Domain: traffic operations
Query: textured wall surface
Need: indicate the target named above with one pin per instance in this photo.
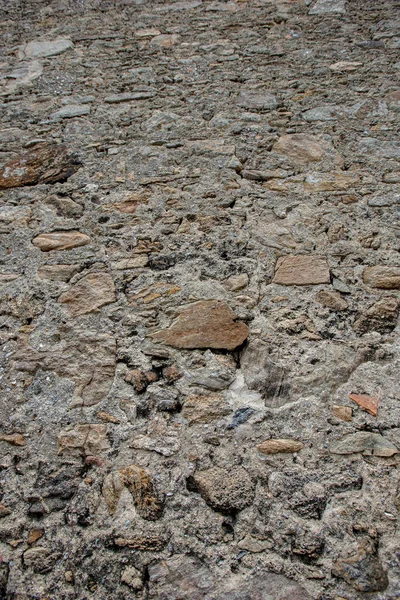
(200, 289)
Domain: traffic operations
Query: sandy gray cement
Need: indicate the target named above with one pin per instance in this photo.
(199, 274)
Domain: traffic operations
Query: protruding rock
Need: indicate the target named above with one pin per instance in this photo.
(303, 148)
(344, 413)
(332, 300)
(57, 272)
(382, 277)
(91, 292)
(276, 446)
(365, 442)
(381, 316)
(205, 324)
(140, 485)
(60, 240)
(45, 163)
(87, 439)
(369, 403)
(204, 409)
(42, 49)
(363, 572)
(301, 270)
(224, 490)
(328, 7)
(16, 439)
(257, 100)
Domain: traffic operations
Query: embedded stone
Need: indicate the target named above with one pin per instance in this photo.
(205, 324)
(304, 148)
(368, 403)
(57, 272)
(332, 300)
(301, 270)
(204, 409)
(363, 572)
(89, 293)
(87, 439)
(60, 240)
(276, 446)
(224, 490)
(331, 182)
(140, 485)
(382, 277)
(36, 49)
(257, 100)
(45, 163)
(344, 413)
(366, 443)
(328, 7)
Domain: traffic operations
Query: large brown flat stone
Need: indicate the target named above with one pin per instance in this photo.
(205, 324)
(45, 163)
(60, 240)
(382, 277)
(91, 292)
(302, 270)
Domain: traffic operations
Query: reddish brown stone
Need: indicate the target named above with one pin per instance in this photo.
(369, 403)
(205, 324)
(301, 270)
(60, 240)
(91, 292)
(45, 163)
(280, 445)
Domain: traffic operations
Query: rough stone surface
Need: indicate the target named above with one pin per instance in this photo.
(208, 324)
(91, 292)
(224, 490)
(382, 277)
(60, 240)
(45, 163)
(301, 270)
(277, 446)
(199, 259)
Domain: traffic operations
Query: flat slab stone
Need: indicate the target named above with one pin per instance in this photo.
(205, 324)
(365, 442)
(36, 49)
(328, 7)
(60, 240)
(45, 163)
(276, 446)
(91, 292)
(301, 270)
(382, 277)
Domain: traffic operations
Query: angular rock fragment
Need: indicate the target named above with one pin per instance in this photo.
(226, 491)
(345, 65)
(382, 277)
(205, 409)
(257, 100)
(140, 485)
(363, 572)
(332, 300)
(327, 7)
(86, 439)
(60, 240)
(381, 316)
(71, 111)
(369, 403)
(301, 270)
(303, 148)
(205, 324)
(344, 413)
(16, 439)
(133, 578)
(276, 446)
(42, 49)
(331, 182)
(57, 272)
(91, 292)
(365, 442)
(45, 163)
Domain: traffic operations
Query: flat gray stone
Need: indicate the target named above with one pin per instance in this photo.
(72, 110)
(328, 7)
(36, 49)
